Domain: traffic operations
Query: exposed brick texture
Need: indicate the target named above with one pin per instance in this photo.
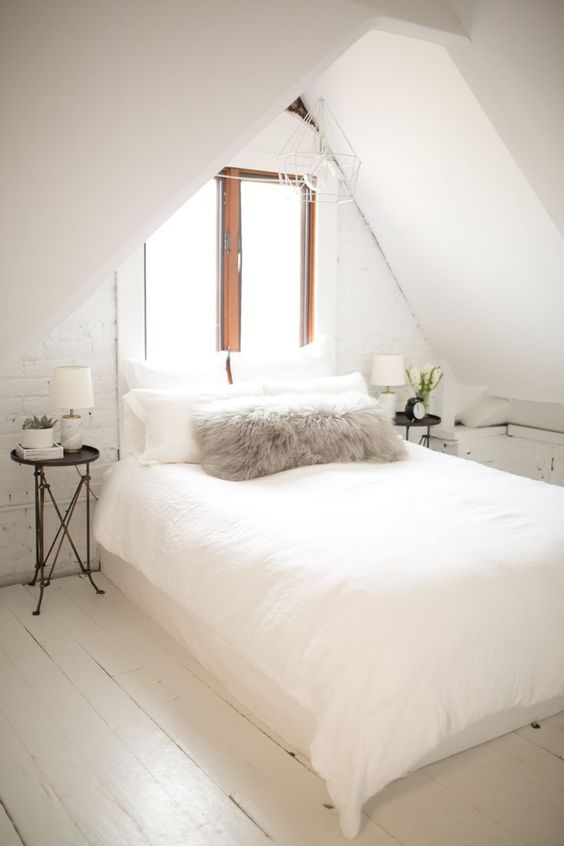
(372, 313)
(372, 316)
(87, 337)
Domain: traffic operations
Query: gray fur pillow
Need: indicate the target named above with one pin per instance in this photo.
(249, 437)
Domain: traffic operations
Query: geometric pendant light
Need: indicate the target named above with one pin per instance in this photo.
(320, 157)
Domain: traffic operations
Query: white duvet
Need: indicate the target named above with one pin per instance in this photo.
(398, 603)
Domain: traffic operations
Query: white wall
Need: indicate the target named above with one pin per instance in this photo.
(372, 313)
(87, 337)
(357, 299)
(478, 257)
(539, 415)
(114, 113)
(514, 63)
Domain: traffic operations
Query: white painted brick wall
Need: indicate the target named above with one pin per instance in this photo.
(87, 337)
(373, 316)
(372, 313)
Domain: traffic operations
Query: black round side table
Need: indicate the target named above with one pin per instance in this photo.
(401, 419)
(85, 456)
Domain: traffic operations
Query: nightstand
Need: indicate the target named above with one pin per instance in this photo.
(84, 457)
(401, 419)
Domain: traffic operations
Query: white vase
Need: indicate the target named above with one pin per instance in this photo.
(71, 432)
(38, 438)
(388, 403)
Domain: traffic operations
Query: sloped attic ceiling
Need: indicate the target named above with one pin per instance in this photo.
(113, 114)
(477, 255)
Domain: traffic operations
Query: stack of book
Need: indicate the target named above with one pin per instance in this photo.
(40, 453)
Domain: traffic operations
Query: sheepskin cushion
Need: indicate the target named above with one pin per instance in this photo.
(249, 437)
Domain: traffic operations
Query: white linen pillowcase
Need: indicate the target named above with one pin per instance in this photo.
(207, 370)
(312, 361)
(166, 416)
(133, 416)
(349, 383)
(132, 428)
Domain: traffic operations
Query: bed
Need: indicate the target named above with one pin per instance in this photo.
(375, 616)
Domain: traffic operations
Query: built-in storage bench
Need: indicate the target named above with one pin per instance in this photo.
(535, 453)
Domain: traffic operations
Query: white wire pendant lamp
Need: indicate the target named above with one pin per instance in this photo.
(319, 156)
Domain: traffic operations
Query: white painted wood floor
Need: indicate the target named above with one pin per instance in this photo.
(111, 734)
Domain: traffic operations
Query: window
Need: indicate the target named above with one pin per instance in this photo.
(232, 268)
(180, 273)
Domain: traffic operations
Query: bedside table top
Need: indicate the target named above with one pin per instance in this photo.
(83, 456)
(401, 419)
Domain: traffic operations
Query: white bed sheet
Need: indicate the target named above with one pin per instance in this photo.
(397, 603)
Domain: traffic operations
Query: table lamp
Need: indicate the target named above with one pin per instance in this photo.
(388, 371)
(71, 387)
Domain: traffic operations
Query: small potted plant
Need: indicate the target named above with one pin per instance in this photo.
(423, 381)
(38, 432)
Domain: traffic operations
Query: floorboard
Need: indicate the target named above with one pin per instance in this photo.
(422, 812)
(549, 735)
(144, 769)
(46, 786)
(8, 834)
(251, 768)
(128, 625)
(112, 734)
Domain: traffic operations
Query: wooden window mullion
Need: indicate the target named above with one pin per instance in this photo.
(307, 268)
(310, 305)
(231, 270)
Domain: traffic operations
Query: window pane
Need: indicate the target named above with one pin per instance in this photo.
(181, 276)
(271, 267)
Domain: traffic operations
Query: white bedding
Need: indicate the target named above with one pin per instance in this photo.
(397, 603)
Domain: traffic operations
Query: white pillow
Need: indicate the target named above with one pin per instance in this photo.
(313, 361)
(484, 411)
(205, 370)
(133, 430)
(351, 382)
(166, 416)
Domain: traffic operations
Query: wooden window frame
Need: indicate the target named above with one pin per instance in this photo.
(229, 258)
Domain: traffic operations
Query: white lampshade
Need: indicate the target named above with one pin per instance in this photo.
(388, 370)
(71, 387)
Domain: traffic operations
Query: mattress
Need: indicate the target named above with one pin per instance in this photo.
(280, 715)
(396, 606)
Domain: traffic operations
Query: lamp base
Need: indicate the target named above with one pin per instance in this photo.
(71, 432)
(388, 403)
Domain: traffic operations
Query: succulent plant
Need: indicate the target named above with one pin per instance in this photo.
(36, 422)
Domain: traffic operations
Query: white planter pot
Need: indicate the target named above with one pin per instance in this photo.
(37, 438)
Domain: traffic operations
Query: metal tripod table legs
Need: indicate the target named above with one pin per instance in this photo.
(44, 560)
